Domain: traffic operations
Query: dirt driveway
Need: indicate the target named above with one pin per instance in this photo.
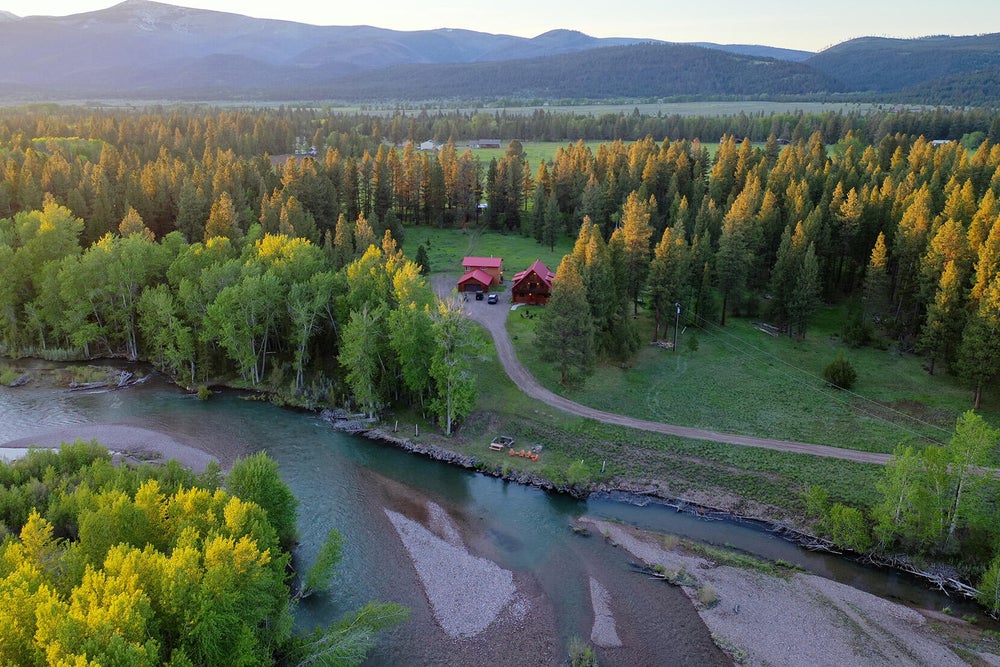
(494, 316)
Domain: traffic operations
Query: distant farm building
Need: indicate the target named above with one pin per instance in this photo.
(533, 285)
(484, 143)
(481, 273)
(429, 145)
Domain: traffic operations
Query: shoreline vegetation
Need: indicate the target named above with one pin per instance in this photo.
(136, 445)
(757, 612)
(184, 567)
(870, 238)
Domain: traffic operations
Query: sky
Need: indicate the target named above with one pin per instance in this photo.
(793, 24)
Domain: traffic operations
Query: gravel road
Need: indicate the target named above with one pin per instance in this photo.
(494, 318)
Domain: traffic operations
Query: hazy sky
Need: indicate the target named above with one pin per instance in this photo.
(797, 24)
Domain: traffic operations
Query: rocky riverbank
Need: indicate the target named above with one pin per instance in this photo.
(794, 618)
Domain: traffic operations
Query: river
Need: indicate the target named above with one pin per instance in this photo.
(348, 482)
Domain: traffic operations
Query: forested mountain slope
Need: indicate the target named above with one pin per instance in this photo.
(882, 64)
(643, 70)
(141, 49)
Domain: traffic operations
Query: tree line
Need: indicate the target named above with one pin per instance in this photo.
(937, 503)
(154, 565)
(104, 231)
(214, 263)
(350, 322)
(905, 231)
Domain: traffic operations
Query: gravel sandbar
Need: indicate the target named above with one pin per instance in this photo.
(466, 592)
(131, 443)
(802, 619)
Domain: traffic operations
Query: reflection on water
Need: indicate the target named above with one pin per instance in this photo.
(345, 482)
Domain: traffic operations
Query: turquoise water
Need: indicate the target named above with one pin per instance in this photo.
(347, 482)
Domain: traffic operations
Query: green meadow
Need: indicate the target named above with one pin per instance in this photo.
(743, 380)
(446, 248)
(739, 379)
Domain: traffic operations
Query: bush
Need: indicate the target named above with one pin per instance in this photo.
(204, 393)
(578, 474)
(255, 478)
(840, 373)
(581, 655)
(848, 528)
(857, 332)
(708, 596)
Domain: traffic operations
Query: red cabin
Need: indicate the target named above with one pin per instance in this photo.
(533, 285)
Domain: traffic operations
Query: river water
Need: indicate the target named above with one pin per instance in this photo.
(348, 483)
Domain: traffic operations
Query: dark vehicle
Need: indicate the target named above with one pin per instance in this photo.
(493, 298)
(479, 295)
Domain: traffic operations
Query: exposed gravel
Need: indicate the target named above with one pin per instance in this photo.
(466, 592)
(799, 620)
(131, 443)
(605, 631)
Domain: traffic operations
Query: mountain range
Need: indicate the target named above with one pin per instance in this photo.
(145, 50)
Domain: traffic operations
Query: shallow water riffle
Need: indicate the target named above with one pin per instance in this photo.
(349, 483)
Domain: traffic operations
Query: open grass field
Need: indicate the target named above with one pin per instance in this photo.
(739, 379)
(702, 108)
(446, 248)
(742, 380)
(575, 450)
(535, 152)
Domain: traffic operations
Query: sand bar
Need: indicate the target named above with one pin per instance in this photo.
(132, 443)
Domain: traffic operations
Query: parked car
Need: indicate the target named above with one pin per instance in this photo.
(479, 295)
(493, 298)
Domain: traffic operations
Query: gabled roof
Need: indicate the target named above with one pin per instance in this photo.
(479, 276)
(539, 268)
(481, 262)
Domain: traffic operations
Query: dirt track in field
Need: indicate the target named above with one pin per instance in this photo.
(494, 317)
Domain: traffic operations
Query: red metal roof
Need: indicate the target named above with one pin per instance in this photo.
(479, 276)
(540, 269)
(481, 262)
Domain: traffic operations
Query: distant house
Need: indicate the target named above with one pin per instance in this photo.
(533, 285)
(485, 271)
(429, 145)
(484, 143)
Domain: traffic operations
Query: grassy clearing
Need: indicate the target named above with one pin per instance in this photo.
(739, 380)
(535, 152)
(446, 248)
(575, 450)
(742, 380)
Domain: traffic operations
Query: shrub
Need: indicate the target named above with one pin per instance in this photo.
(204, 393)
(848, 528)
(840, 373)
(8, 377)
(256, 478)
(817, 501)
(857, 332)
(581, 655)
(692, 343)
(707, 595)
(578, 474)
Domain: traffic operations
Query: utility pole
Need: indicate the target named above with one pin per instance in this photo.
(677, 322)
